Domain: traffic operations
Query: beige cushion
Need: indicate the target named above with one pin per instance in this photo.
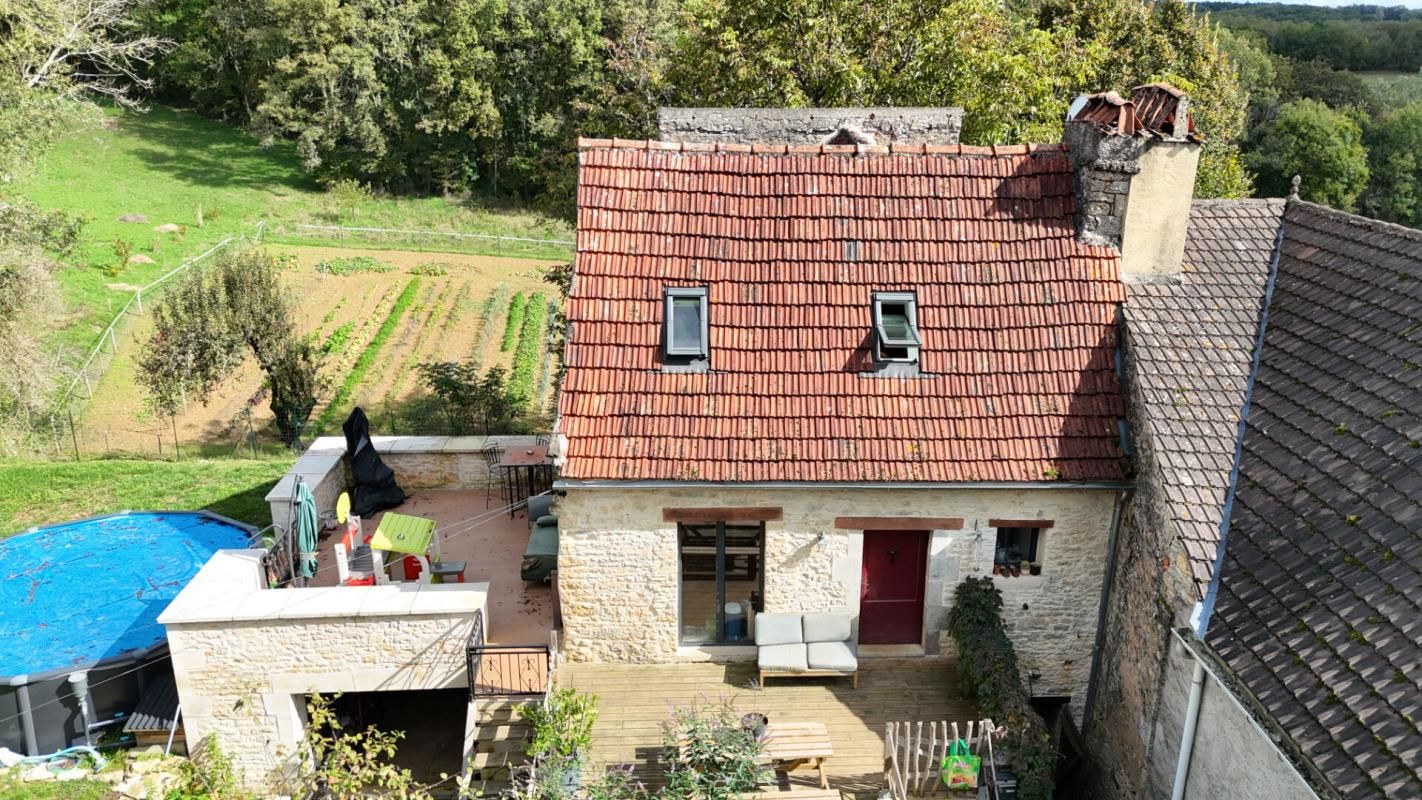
(782, 658)
(773, 629)
(827, 627)
(833, 656)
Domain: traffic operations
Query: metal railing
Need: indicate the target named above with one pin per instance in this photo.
(506, 670)
(279, 562)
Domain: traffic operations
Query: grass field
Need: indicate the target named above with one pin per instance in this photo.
(164, 163)
(376, 326)
(43, 492)
(1394, 88)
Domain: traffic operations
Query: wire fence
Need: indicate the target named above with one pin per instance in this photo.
(423, 239)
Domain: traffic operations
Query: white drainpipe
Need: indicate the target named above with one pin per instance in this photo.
(1187, 736)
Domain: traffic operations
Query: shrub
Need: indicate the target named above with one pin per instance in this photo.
(709, 756)
(433, 269)
(352, 265)
(123, 252)
(562, 724)
(514, 323)
(987, 668)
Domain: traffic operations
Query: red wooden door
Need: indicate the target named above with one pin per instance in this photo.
(891, 589)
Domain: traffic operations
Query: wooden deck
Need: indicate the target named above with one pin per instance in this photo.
(635, 699)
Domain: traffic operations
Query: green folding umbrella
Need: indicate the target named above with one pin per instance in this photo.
(305, 530)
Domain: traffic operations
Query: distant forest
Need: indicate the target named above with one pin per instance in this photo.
(1359, 38)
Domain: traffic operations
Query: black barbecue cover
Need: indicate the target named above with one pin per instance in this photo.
(375, 488)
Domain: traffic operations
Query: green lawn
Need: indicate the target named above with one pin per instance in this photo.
(53, 790)
(43, 492)
(164, 163)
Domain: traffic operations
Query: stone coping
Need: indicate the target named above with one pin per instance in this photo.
(325, 453)
(228, 588)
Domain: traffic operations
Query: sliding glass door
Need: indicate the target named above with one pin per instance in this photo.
(722, 574)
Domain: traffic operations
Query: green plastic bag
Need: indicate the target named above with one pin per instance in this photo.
(960, 767)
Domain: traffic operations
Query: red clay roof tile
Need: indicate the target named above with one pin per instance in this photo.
(1017, 317)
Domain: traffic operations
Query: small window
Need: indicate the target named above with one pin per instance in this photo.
(685, 328)
(1017, 552)
(896, 327)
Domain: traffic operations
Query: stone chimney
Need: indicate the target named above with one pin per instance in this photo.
(1135, 162)
(811, 125)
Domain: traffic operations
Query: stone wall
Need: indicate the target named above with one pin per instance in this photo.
(244, 657)
(419, 462)
(1232, 755)
(619, 578)
(1153, 591)
(809, 125)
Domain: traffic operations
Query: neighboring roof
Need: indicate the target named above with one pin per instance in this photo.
(1319, 608)
(1017, 317)
(1191, 345)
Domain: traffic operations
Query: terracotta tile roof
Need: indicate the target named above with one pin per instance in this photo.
(1190, 346)
(1018, 319)
(1319, 609)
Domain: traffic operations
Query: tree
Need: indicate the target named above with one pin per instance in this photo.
(391, 94)
(1323, 146)
(81, 48)
(471, 400)
(206, 325)
(29, 303)
(1013, 73)
(1395, 160)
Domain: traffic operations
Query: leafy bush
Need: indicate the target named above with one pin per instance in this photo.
(352, 265)
(530, 344)
(709, 756)
(562, 724)
(433, 269)
(207, 775)
(467, 396)
(987, 668)
(514, 323)
(123, 252)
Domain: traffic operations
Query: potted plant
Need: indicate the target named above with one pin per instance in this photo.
(561, 733)
(755, 723)
(710, 754)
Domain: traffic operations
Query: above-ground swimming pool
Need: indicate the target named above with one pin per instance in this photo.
(83, 598)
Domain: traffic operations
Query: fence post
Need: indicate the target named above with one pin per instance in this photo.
(73, 434)
(138, 298)
(88, 390)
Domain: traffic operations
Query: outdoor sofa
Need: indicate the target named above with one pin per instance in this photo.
(805, 645)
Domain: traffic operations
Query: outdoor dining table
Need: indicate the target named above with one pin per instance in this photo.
(528, 471)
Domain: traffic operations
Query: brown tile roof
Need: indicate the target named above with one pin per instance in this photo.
(1017, 317)
(1151, 110)
(1319, 608)
(1190, 347)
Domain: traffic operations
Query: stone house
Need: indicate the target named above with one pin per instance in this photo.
(847, 376)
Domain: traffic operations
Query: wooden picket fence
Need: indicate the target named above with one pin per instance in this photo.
(913, 755)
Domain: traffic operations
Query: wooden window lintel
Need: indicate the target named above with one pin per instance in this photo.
(899, 523)
(733, 514)
(1020, 523)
